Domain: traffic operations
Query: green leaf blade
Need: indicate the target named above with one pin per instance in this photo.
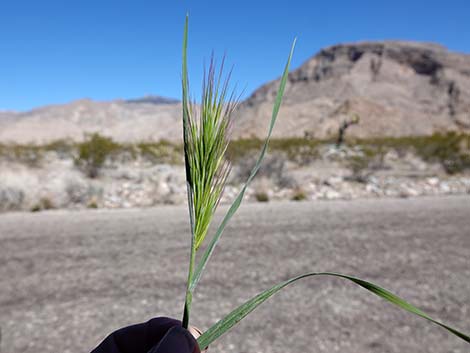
(186, 110)
(242, 311)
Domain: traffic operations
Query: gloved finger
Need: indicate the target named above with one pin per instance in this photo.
(177, 340)
(138, 338)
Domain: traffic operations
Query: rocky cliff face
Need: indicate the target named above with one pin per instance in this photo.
(397, 89)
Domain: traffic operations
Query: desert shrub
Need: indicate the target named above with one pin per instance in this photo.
(32, 155)
(43, 204)
(63, 148)
(29, 155)
(365, 162)
(261, 196)
(47, 204)
(299, 150)
(451, 150)
(36, 208)
(92, 205)
(240, 149)
(359, 166)
(161, 152)
(93, 152)
(299, 195)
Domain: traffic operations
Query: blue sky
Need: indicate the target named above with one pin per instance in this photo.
(58, 51)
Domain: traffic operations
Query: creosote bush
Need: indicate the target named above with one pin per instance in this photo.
(93, 152)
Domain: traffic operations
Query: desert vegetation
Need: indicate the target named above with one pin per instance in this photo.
(102, 172)
(451, 150)
(94, 153)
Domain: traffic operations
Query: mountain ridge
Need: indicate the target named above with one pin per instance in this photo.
(397, 88)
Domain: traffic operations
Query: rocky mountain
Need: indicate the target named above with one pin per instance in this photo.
(396, 88)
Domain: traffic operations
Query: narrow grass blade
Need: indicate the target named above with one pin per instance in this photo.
(189, 184)
(238, 314)
(185, 107)
(236, 204)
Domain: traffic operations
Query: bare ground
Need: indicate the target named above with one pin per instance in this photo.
(67, 279)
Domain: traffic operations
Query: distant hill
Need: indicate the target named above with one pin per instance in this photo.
(397, 89)
(153, 99)
(149, 118)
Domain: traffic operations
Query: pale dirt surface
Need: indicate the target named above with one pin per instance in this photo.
(67, 279)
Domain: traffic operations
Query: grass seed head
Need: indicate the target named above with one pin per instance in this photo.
(207, 129)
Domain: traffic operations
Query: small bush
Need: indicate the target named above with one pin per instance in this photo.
(299, 195)
(93, 153)
(47, 204)
(92, 205)
(43, 204)
(262, 196)
(365, 162)
(36, 208)
(63, 148)
(238, 150)
(161, 152)
(29, 155)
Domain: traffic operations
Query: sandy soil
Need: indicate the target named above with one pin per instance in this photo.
(67, 279)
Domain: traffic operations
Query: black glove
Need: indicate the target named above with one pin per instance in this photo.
(159, 335)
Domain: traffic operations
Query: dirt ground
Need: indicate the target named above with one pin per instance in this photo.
(67, 279)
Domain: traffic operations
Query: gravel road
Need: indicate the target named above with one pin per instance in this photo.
(67, 279)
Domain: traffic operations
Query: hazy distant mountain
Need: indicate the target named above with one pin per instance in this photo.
(150, 118)
(153, 99)
(397, 88)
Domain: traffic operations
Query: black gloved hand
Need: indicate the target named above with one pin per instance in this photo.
(159, 335)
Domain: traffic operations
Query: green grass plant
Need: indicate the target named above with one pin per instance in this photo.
(205, 134)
